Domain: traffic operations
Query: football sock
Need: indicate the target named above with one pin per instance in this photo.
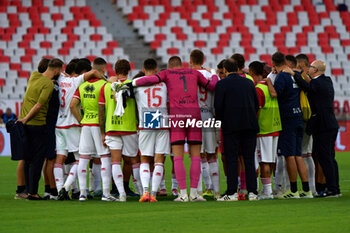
(136, 177)
(71, 179)
(58, 173)
(53, 192)
(243, 181)
(20, 188)
(47, 189)
(91, 180)
(195, 171)
(118, 177)
(293, 187)
(180, 172)
(106, 175)
(174, 184)
(157, 177)
(193, 192)
(200, 184)
(266, 186)
(310, 165)
(183, 192)
(279, 176)
(96, 173)
(66, 169)
(214, 173)
(306, 187)
(162, 183)
(205, 172)
(145, 176)
(82, 173)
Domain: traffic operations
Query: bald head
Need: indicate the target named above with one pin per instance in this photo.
(317, 68)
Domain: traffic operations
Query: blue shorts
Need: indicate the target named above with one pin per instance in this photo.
(291, 137)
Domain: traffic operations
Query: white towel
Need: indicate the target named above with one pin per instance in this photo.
(119, 109)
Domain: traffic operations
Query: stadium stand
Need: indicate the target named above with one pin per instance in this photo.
(30, 30)
(254, 28)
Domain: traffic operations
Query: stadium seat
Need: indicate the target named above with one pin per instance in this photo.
(33, 29)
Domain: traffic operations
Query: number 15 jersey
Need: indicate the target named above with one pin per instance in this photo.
(151, 99)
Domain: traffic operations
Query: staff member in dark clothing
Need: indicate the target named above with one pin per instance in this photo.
(291, 136)
(33, 116)
(236, 105)
(323, 125)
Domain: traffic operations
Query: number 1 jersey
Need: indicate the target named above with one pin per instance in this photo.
(149, 99)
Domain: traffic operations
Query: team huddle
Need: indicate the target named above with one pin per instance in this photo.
(141, 121)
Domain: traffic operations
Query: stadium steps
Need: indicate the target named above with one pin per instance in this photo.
(121, 31)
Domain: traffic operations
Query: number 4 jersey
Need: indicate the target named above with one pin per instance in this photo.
(151, 99)
(67, 87)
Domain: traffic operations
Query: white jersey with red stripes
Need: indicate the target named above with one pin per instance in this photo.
(206, 98)
(151, 99)
(67, 87)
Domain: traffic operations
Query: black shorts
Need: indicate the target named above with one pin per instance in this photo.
(291, 137)
(51, 143)
(70, 158)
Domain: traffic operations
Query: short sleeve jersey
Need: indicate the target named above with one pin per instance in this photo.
(151, 98)
(67, 87)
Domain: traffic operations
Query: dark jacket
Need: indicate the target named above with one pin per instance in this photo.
(236, 104)
(18, 139)
(320, 93)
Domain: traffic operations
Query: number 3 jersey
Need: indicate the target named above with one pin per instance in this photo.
(151, 102)
(67, 87)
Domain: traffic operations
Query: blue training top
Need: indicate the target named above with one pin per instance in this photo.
(288, 95)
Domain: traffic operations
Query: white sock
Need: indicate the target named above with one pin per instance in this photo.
(286, 183)
(145, 176)
(200, 184)
(66, 169)
(162, 183)
(72, 177)
(183, 192)
(136, 176)
(91, 180)
(215, 175)
(279, 175)
(58, 173)
(106, 175)
(193, 192)
(96, 173)
(266, 189)
(310, 165)
(174, 184)
(205, 172)
(118, 177)
(82, 173)
(157, 177)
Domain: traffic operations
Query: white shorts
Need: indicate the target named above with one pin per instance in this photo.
(154, 142)
(306, 145)
(209, 142)
(67, 140)
(266, 149)
(126, 143)
(91, 142)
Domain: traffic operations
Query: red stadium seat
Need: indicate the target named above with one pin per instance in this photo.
(173, 51)
(45, 44)
(337, 71)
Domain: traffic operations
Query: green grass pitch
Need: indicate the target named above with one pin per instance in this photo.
(306, 215)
